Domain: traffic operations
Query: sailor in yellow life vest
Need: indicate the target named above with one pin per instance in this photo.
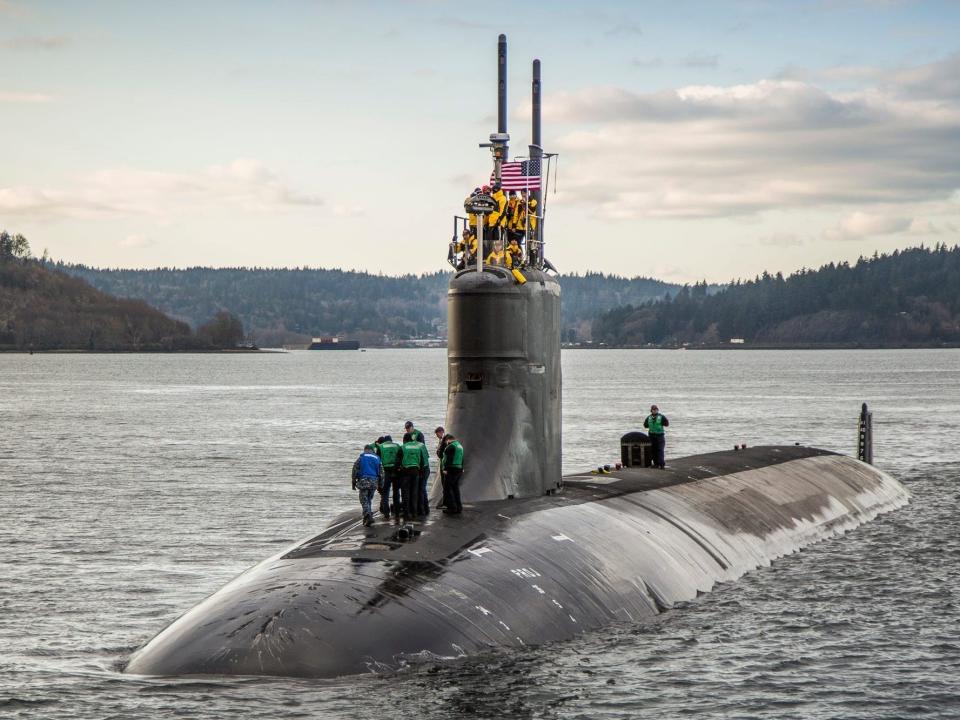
(531, 219)
(472, 217)
(497, 256)
(498, 218)
(514, 212)
(514, 254)
(467, 247)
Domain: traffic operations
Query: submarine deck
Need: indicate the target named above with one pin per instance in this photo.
(507, 573)
(441, 536)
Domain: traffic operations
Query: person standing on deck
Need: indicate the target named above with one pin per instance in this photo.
(411, 432)
(655, 423)
(453, 468)
(514, 227)
(367, 477)
(389, 453)
(498, 218)
(414, 465)
(441, 446)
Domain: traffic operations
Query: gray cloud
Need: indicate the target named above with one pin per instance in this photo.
(860, 225)
(244, 184)
(782, 239)
(935, 81)
(647, 62)
(136, 241)
(711, 151)
(624, 28)
(700, 60)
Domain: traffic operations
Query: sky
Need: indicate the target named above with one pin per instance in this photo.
(695, 140)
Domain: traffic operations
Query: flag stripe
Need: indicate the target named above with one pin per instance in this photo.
(520, 175)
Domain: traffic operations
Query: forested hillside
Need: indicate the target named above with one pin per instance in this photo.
(908, 298)
(43, 309)
(289, 305)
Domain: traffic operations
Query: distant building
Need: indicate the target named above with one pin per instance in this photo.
(736, 341)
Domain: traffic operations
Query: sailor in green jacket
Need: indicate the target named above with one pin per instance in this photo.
(655, 423)
(453, 470)
(389, 453)
(414, 465)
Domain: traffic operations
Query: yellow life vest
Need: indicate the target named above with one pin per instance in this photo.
(496, 258)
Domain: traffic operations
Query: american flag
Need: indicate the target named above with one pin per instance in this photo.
(520, 175)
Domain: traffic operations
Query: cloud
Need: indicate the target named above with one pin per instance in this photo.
(37, 42)
(244, 183)
(920, 226)
(721, 151)
(136, 241)
(349, 211)
(782, 239)
(700, 60)
(24, 98)
(647, 62)
(833, 74)
(934, 81)
(14, 9)
(461, 179)
(859, 225)
(624, 28)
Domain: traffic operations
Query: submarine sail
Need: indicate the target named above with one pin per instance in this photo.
(534, 557)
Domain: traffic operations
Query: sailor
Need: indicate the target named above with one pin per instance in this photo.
(441, 446)
(414, 459)
(530, 224)
(514, 206)
(514, 254)
(497, 256)
(655, 423)
(467, 248)
(453, 468)
(498, 217)
(411, 432)
(472, 217)
(366, 477)
(532, 216)
(389, 453)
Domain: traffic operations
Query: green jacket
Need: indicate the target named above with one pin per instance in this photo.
(414, 454)
(389, 453)
(453, 455)
(656, 423)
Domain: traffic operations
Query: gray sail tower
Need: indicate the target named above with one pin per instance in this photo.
(503, 358)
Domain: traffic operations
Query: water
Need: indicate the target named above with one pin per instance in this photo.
(132, 486)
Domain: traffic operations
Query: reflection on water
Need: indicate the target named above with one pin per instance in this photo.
(135, 485)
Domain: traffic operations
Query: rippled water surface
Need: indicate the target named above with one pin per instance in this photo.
(132, 486)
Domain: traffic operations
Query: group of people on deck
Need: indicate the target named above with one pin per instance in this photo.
(504, 229)
(400, 471)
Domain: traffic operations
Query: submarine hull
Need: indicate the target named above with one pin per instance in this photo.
(617, 547)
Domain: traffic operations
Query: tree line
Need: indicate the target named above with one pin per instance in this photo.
(905, 298)
(289, 305)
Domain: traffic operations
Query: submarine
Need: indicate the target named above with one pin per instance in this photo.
(535, 557)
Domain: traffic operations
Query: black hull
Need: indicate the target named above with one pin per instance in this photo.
(508, 573)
